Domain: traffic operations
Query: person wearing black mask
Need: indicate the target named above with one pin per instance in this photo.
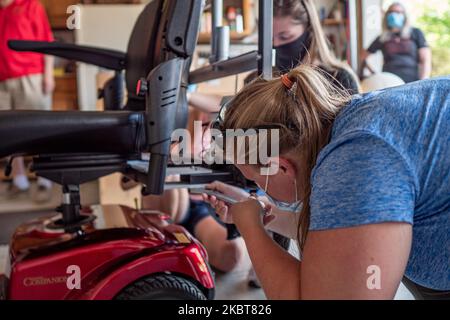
(298, 37)
(291, 52)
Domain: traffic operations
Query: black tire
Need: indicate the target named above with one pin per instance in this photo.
(161, 287)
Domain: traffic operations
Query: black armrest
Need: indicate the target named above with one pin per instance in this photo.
(106, 58)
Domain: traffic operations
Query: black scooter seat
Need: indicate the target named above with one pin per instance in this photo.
(55, 132)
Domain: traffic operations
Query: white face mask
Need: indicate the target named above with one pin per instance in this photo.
(293, 207)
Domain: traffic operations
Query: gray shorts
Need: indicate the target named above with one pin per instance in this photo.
(24, 93)
(422, 293)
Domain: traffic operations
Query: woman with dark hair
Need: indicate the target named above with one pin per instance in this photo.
(298, 37)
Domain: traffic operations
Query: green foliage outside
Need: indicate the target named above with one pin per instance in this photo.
(436, 26)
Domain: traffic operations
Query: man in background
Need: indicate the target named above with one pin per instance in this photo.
(26, 79)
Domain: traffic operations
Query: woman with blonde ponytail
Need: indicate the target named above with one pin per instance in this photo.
(365, 176)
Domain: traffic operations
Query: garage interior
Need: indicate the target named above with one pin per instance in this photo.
(349, 25)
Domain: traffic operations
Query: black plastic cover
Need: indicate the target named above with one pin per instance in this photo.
(106, 58)
(39, 132)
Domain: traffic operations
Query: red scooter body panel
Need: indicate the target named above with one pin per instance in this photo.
(120, 246)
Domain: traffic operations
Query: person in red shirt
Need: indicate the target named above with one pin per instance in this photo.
(26, 78)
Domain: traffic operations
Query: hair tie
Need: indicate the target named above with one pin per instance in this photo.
(286, 81)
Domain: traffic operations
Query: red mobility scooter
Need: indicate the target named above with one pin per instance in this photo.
(110, 252)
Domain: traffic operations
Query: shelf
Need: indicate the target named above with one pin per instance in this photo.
(333, 22)
(247, 16)
(57, 12)
(65, 96)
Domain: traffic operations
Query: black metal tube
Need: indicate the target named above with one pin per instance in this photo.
(118, 94)
(156, 174)
(243, 63)
(70, 207)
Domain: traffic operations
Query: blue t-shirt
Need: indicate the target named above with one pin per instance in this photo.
(388, 160)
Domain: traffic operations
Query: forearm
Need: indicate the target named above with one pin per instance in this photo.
(424, 63)
(364, 58)
(205, 102)
(370, 68)
(49, 62)
(278, 271)
(424, 70)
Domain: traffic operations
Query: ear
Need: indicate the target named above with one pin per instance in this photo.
(287, 167)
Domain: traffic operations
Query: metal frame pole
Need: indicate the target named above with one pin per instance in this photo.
(353, 27)
(217, 17)
(260, 59)
(265, 35)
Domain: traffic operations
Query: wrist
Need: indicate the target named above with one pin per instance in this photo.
(261, 202)
(253, 230)
(252, 219)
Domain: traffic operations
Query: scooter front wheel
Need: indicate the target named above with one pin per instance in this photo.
(161, 287)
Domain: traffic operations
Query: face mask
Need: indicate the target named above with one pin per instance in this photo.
(290, 54)
(293, 207)
(395, 20)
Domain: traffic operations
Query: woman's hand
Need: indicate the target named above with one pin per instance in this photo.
(221, 207)
(250, 214)
(247, 212)
(230, 191)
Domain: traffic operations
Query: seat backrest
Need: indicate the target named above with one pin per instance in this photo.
(139, 58)
(164, 29)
